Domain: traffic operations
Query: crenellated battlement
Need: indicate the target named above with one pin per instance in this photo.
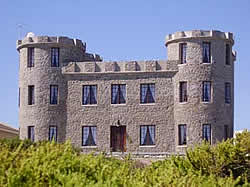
(58, 40)
(120, 67)
(199, 34)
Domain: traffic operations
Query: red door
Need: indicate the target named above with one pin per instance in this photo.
(118, 138)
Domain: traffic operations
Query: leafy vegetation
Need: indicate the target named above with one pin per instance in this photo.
(24, 163)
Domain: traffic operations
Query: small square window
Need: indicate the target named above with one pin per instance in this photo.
(89, 136)
(147, 93)
(206, 91)
(182, 134)
(183, 92)
(52, 133)
(147, 135)
(30, 57)
(53, 94)
(31, 95)
(89, 96)
(31, 133)
(54, 57)
(206, 52)
(118, 93)
(206, 132)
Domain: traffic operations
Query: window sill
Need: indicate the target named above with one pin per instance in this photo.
(54, 104)
(147, 146)
(90, 105)
(181, 146)
(89, 147)
(147, 104)
(183, 103)
(182, 64)
(206, 103)
(122, 104)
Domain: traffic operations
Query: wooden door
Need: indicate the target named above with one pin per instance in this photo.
(118, 138)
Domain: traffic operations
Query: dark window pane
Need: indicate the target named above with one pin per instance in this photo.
(182, 134)
(147, 93)
(183, 51)
(225, 132)
(206, 132)
(118, 94)
(31, 95)
(147, 135)
(183, 91)
(30, 57)
(206, 91)
(31, 133)
(89, 136)
(228, 54)
(89, 95)
(54, 57)
(53, 94)
(206, 52)
(227, 93)
(52, 133)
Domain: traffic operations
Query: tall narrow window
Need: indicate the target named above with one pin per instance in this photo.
(18, 97)
(183, 52)
(206, 132)
(227, 92)
(31, 95)
(183, 91)
(89, 95)
(228, 54)
(147, 93)
(118, 93)
(54, 57)
(30, 57)
(147, 135)
(53, 94)
(31, 133)
(89, 136)
(52, 133)
(206, 91)
(182, 134)
(206, 52)
(225, 132)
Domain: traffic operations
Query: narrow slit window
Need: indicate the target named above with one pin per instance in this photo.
(53, 94)
(31, 95)
(228, 54)
(182, 132)
(30, 57)
(206, 91)
(52, 133)
(227, 93)
(206, 132)
(183, 92)
(54, 57)
(31, 133)
(183, 52)
(206, 52)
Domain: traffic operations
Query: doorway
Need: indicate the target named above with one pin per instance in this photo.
(118, 138)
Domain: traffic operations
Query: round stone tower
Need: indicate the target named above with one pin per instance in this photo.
(42, 87)
(203, 86)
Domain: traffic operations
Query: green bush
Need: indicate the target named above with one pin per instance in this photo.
(24, 163)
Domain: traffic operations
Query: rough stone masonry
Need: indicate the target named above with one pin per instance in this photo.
(169, 104)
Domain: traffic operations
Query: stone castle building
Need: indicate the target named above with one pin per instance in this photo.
(155, 106)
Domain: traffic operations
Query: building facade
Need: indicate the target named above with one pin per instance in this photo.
(7, 131)
(155, 106)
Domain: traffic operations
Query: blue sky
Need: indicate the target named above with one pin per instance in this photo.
(122, 30)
